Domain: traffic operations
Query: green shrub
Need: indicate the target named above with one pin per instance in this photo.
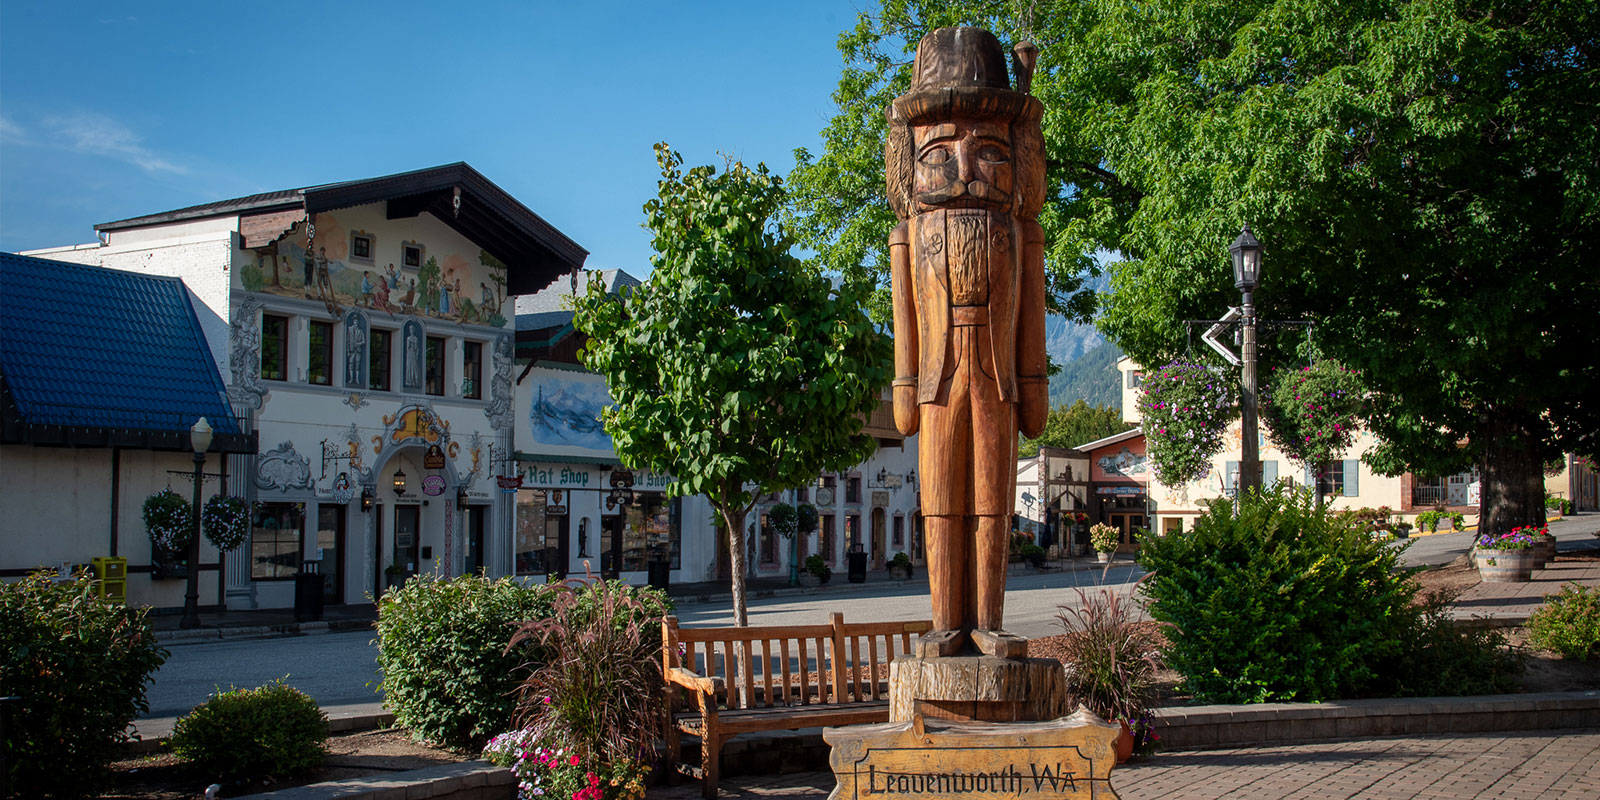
(645, 607)
(80, 665)
(1568, 623)
(241, 734)
(1441, 657)
(816, 566)
(1274, 599)
(1031, 553)
(442, 648)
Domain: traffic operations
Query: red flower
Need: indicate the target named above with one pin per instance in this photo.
(574, 760)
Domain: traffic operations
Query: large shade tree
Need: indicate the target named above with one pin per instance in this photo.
(1422, 174)
(737, 368)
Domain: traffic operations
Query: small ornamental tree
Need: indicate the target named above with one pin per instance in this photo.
(1185, 407)
(737, 368)
(1312, 413)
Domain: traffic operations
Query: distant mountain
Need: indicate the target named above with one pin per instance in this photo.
(1092, 377)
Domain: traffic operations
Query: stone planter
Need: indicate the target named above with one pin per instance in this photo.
(1505, 566)
(1103, 558)
(809, 580)
(900, 573)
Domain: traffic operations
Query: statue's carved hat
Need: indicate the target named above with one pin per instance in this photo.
(961, 72)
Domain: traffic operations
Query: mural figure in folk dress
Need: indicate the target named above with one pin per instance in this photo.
(964, 164)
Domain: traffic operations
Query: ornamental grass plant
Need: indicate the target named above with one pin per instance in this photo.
(1186, 407)
(1111, 659)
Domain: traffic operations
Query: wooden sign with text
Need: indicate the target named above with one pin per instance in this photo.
(1064, 758)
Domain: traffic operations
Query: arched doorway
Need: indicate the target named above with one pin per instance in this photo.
(879, 534)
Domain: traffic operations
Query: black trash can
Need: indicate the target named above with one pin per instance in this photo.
(660, 574)
(858, 567)
(308, 593)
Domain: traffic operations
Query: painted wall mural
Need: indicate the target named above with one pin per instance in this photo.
(244, 356)
(411, 344)
(355, 348)
(502, 399)
(566, 410)
(347, 269)
(1125, 462)
(283, 469)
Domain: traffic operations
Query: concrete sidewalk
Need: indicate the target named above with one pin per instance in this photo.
(1510, 604)
(1542, 764)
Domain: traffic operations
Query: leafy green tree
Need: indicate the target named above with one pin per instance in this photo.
(737, 368)
(1070, 426)
(1421, 172)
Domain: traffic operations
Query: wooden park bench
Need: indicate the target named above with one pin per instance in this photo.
(798, 676)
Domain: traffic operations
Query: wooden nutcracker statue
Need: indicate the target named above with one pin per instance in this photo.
(964, 164)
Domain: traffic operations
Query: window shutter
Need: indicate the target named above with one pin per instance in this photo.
(1269, 474)
(1352, 469)
(1230, 473)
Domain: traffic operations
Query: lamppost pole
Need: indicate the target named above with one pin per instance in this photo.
(1246, 252)
(199, 441)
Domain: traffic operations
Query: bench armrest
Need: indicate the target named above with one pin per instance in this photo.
(689, 680)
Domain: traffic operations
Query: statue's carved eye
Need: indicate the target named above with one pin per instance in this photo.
(936, 156)
(993, 154)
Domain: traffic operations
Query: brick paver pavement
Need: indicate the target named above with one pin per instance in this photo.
(1519, 600)
(1550, 765)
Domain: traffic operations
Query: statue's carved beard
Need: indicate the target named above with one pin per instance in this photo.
(969, 250)
(968, 194)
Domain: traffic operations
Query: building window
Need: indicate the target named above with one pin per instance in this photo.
(1135, 379)
(852, 531)
(411, 255)
(852, 489)
(538, 535)
(274, 347)
(1430, 491)
(825, 537)
(319, 365)
(361, 246)
(650, 531)
(378, 364)
(899, 530)
(472, 370)
(1330, 479)
(434, 366)
(275, 541)
(802, 494)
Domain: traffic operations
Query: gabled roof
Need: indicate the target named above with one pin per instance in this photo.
(534, 251)
(137, 375)
(545, 318)
(1112, 439)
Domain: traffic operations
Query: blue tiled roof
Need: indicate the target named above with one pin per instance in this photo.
(100, 348)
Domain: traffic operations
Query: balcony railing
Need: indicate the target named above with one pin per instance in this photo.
(1429, 494)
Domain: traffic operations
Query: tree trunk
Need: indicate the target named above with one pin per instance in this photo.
(1511, 476)
(733, 521)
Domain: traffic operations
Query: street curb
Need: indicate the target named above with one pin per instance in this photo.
(196, 635)
(468, 780)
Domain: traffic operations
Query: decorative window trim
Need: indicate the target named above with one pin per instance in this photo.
(372, 248)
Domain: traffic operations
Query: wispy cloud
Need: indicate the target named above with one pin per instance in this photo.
(101, 135)
(11, 132)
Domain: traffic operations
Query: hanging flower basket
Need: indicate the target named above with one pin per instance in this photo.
(1312, 413)
(225, 522)
(169, 520)
(1186, 407)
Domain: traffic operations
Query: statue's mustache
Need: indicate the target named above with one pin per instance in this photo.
(956, 190)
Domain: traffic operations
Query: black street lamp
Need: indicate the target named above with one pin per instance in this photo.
(1246, 252)
(200, 442)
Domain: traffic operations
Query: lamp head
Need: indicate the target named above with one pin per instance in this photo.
(200, 436)
(399, 481)
(1246, 253)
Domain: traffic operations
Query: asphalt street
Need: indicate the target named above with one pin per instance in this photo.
(340, 668)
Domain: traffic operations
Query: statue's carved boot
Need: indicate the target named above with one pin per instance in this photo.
(1000, 644)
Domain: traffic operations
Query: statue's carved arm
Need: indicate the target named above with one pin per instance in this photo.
(906, 356)
(1032, 363)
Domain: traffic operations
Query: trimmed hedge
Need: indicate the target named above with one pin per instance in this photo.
(81, 666)
(241, 734)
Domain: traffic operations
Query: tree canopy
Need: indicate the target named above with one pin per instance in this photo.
(1070, 426)
(1421, 173)
(737, 368)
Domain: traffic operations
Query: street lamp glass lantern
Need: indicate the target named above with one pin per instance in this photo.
(200, 436)
(399, 481)
(1246, 261)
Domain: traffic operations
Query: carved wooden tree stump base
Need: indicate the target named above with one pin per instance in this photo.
(978, 688)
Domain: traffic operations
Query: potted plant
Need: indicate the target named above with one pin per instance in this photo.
(1033, 554)
(394, 574)
(1080, 524)
(1104, 539)
(1507, 558)
(1428, 521)
(1186, 408)
(1111, 661)
(169, 520)
(1544, 545)
(816, 572)
(900, 567)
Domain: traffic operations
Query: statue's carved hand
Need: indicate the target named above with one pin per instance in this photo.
(1034, 408)
(905, 409)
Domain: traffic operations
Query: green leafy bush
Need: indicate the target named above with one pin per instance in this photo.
(80, 665)
(1568, 623)
(1031, 553)
(816, 566)
(442, 648)
(1441, 657)
(270, 731)
(1274, 599)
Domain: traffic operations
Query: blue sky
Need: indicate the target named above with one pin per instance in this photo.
(112, 110)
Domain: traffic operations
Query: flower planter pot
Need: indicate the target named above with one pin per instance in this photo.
(1505, 566)
(1544, 550)
(1103, 558)
(810, 580)
(900, 573)
(1124, 744)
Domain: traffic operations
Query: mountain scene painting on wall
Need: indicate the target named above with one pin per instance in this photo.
(566, 412)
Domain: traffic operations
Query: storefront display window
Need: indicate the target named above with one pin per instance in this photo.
(649, 528)
(275, 531)
(538, 535)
